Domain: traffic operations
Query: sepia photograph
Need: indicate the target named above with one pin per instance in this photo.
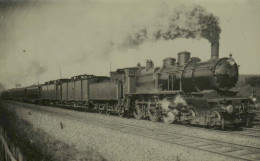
(129, 80)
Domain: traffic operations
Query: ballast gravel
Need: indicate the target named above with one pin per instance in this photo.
(114, 145)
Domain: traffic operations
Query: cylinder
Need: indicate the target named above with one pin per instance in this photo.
(167, 62)
(183, 57)
(214, 51)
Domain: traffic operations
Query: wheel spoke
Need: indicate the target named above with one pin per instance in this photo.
(153, 114)
(137, 112)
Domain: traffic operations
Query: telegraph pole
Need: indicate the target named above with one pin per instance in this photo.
(110, 65)
(60, 74)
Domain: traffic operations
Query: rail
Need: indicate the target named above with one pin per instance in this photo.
(8, 155)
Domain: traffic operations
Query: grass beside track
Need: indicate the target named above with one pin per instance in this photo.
(35, 144)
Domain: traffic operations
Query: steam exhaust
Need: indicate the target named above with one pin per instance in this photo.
(171, 113)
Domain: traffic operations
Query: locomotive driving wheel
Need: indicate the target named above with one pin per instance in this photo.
(121, 114)
(108, 112)
(153, 114)
(192, 112)
(137, 112)
(216, 120)
(215, 116)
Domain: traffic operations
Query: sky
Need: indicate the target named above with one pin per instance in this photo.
(43, 40)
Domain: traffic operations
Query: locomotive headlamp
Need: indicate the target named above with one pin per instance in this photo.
(253, 99)
(230, 108)
(231, 61)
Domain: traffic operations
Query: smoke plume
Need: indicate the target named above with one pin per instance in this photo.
(183, 22)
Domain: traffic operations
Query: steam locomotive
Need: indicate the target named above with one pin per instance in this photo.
(188, 91)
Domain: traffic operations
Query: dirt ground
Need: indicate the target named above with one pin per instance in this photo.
(83, 141)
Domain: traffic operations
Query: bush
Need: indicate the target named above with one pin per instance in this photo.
(253, 81)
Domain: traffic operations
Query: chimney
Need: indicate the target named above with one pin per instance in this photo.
(214, 50)
(149, 64)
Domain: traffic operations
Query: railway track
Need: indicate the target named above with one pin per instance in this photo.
(250, 132)
(233, 150)
(253, 132)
